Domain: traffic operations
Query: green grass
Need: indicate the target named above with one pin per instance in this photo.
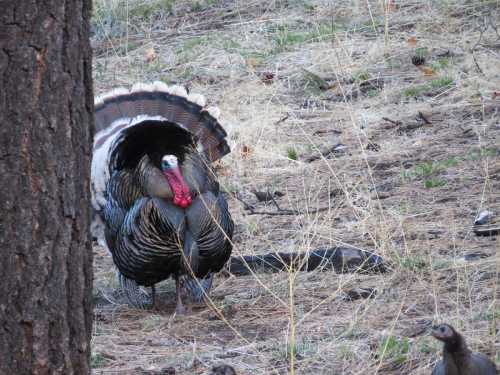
(97, 360)
(487, 152)
(114, 18)
(428, 171)
(394, 349)
(291, 153)
(421, 52)
(428, 345)
(440, 64)
(361, 76)
(151, 322)
(412, 263)
(434, 182)
(198, 6)
(191, 49)
(285, 37)
(435, 84)
(440, 83)
(302, 348)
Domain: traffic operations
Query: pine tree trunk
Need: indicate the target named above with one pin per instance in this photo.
(46, 129)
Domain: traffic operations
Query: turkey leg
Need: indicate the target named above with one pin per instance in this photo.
(179, 308)
(153, 295)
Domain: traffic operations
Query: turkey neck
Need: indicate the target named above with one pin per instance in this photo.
(456, 354)
(154, 183)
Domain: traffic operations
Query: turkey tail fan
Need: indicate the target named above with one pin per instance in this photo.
(159, 100)
(150, 107)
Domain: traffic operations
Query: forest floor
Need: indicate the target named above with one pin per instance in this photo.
(414, 157)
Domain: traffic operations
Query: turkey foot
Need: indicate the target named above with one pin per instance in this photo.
(136, 296)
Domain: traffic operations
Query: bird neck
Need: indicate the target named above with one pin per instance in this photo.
(456, 355)
(455, 345)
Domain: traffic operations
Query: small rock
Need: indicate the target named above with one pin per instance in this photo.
(475, 256)
(484, 217)
(223, 370)
(167, 371)
(358, 293)
(152, 370)
(266, 196)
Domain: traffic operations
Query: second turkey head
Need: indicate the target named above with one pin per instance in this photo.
(180, 189)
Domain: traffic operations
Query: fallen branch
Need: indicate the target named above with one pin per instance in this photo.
(396, 123)
(424, 118)
(342, 259)
(324, 153)
(279, 211)
(326, 131)
(282, 119)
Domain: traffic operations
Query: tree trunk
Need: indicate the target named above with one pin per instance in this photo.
(46, 129)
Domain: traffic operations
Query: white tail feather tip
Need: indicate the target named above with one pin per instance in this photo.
(213, 111)
(111, 94)
(178, 90)
(198, 99)
(141, 87)
(160, 86)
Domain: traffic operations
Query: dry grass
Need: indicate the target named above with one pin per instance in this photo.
(409, 191)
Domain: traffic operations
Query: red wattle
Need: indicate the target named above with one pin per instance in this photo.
(182, 195)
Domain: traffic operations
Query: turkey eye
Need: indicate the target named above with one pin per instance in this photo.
(442, 329)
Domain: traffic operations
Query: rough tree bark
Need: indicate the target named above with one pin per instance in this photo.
(46, 129)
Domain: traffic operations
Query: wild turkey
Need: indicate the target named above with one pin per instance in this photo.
(457, 357)
(153, 187)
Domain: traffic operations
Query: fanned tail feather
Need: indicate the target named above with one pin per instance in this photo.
(122, 108)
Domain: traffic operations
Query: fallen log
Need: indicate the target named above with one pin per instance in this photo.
(342, 259)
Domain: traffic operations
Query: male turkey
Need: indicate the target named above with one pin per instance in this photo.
(152, 185)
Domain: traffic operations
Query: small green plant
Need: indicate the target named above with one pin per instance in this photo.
(434, 182)
(413, 91)
(113, 18)
(284, 36)
(439, 264)
(196, 7)
(148, 9)
(302, 348)
(394, 349)
(191, 44)
(361, 76)
(252, 227)
(441, 63)
(97, 360)
(190, 50)
(291, 153)
(435, 84)
(482, 153)
(231, 45)
(412, 263)
(428, 171)
(151, 323)
(346, 352)
(428, 346)
(421, 52)
(490, 315)
(440, 83)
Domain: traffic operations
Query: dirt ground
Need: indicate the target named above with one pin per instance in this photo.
(383, 114)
